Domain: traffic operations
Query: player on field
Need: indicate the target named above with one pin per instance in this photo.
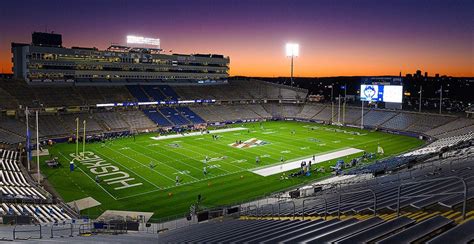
(204, 170)
(177, 180)
(257, 160)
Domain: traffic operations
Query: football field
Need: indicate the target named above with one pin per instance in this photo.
(224, 166)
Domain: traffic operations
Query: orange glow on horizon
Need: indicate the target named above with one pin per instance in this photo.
(270, 62)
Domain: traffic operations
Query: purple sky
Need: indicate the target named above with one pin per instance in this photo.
(357, 37)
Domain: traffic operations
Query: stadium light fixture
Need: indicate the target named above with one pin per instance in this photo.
(292, 50)
(143, 40)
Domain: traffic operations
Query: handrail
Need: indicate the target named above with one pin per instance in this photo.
(256, 209)
(15, 231)
(60, 229)
(314, 199)
(268, 204)
(357, 202)
(294, 208)
(464, 192)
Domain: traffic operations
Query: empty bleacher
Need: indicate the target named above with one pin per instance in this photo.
(138, 93)
(112, 120)
(154, 92)
(137, 120)
(157, 117)
(424, 215)
(19, 197)
(190, 115)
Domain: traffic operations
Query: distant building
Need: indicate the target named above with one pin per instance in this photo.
(418, 74)
(426, 74)
(46, 60)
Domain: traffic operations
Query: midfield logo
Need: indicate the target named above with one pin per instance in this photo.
(253, 142)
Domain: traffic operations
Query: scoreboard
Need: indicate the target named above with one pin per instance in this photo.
(382, 89)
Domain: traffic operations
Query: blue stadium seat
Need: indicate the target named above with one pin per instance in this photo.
(157, 117)
(138, 93)
(174, 116)
(154, 92)
(169, 92)
(190, 115)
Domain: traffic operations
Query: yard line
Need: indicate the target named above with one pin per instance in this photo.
(141, 164)
(177, 160)
(187, 183)
(90, 178)
(130, 170)
(227, 151)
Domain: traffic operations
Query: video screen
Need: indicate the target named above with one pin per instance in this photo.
(381, 93)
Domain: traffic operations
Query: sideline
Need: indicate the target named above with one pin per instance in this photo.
(275, 169)
(197, 133)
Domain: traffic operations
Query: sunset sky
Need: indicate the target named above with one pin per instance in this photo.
(336, 37)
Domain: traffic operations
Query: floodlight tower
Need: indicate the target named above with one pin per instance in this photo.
(292, 50)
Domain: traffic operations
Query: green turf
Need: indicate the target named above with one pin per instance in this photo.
(228, 180)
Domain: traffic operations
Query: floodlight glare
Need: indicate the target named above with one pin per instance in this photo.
(143, 40)
(292, 50)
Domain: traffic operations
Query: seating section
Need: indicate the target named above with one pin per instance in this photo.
(112, 121)
(15, 187)
(157, 117)
(69, 121)
(460, 234)
(147, 93)
(137, 120)
(169, 93)
(327, 114)
(16, 92)
(376, 117)
(350, 230)
(241, 90)
(138, 93)
(42, 213)
(459, 125)
(154, 92)
(310, 110)
(174, 116)
(190, 115)
(430, 187)
(52, 126)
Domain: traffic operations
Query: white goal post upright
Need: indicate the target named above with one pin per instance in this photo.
(37, 149)
(84, 140)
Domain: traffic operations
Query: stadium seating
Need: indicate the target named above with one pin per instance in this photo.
(69, 121)
(190, 115)
(15, 187)
(52, 126)
(157, 117)
(310, 110)
(154, 92)
(137, 120)
(377, 117)
(169, 92)
(138, 93)
(445, 130)
(174, 116)
(424, 189)
(112, 121)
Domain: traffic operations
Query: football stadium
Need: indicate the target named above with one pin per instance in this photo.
(133, 143)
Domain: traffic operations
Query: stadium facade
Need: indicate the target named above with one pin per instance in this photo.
(45, 60)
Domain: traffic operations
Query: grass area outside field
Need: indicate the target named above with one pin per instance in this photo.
(228, 180)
